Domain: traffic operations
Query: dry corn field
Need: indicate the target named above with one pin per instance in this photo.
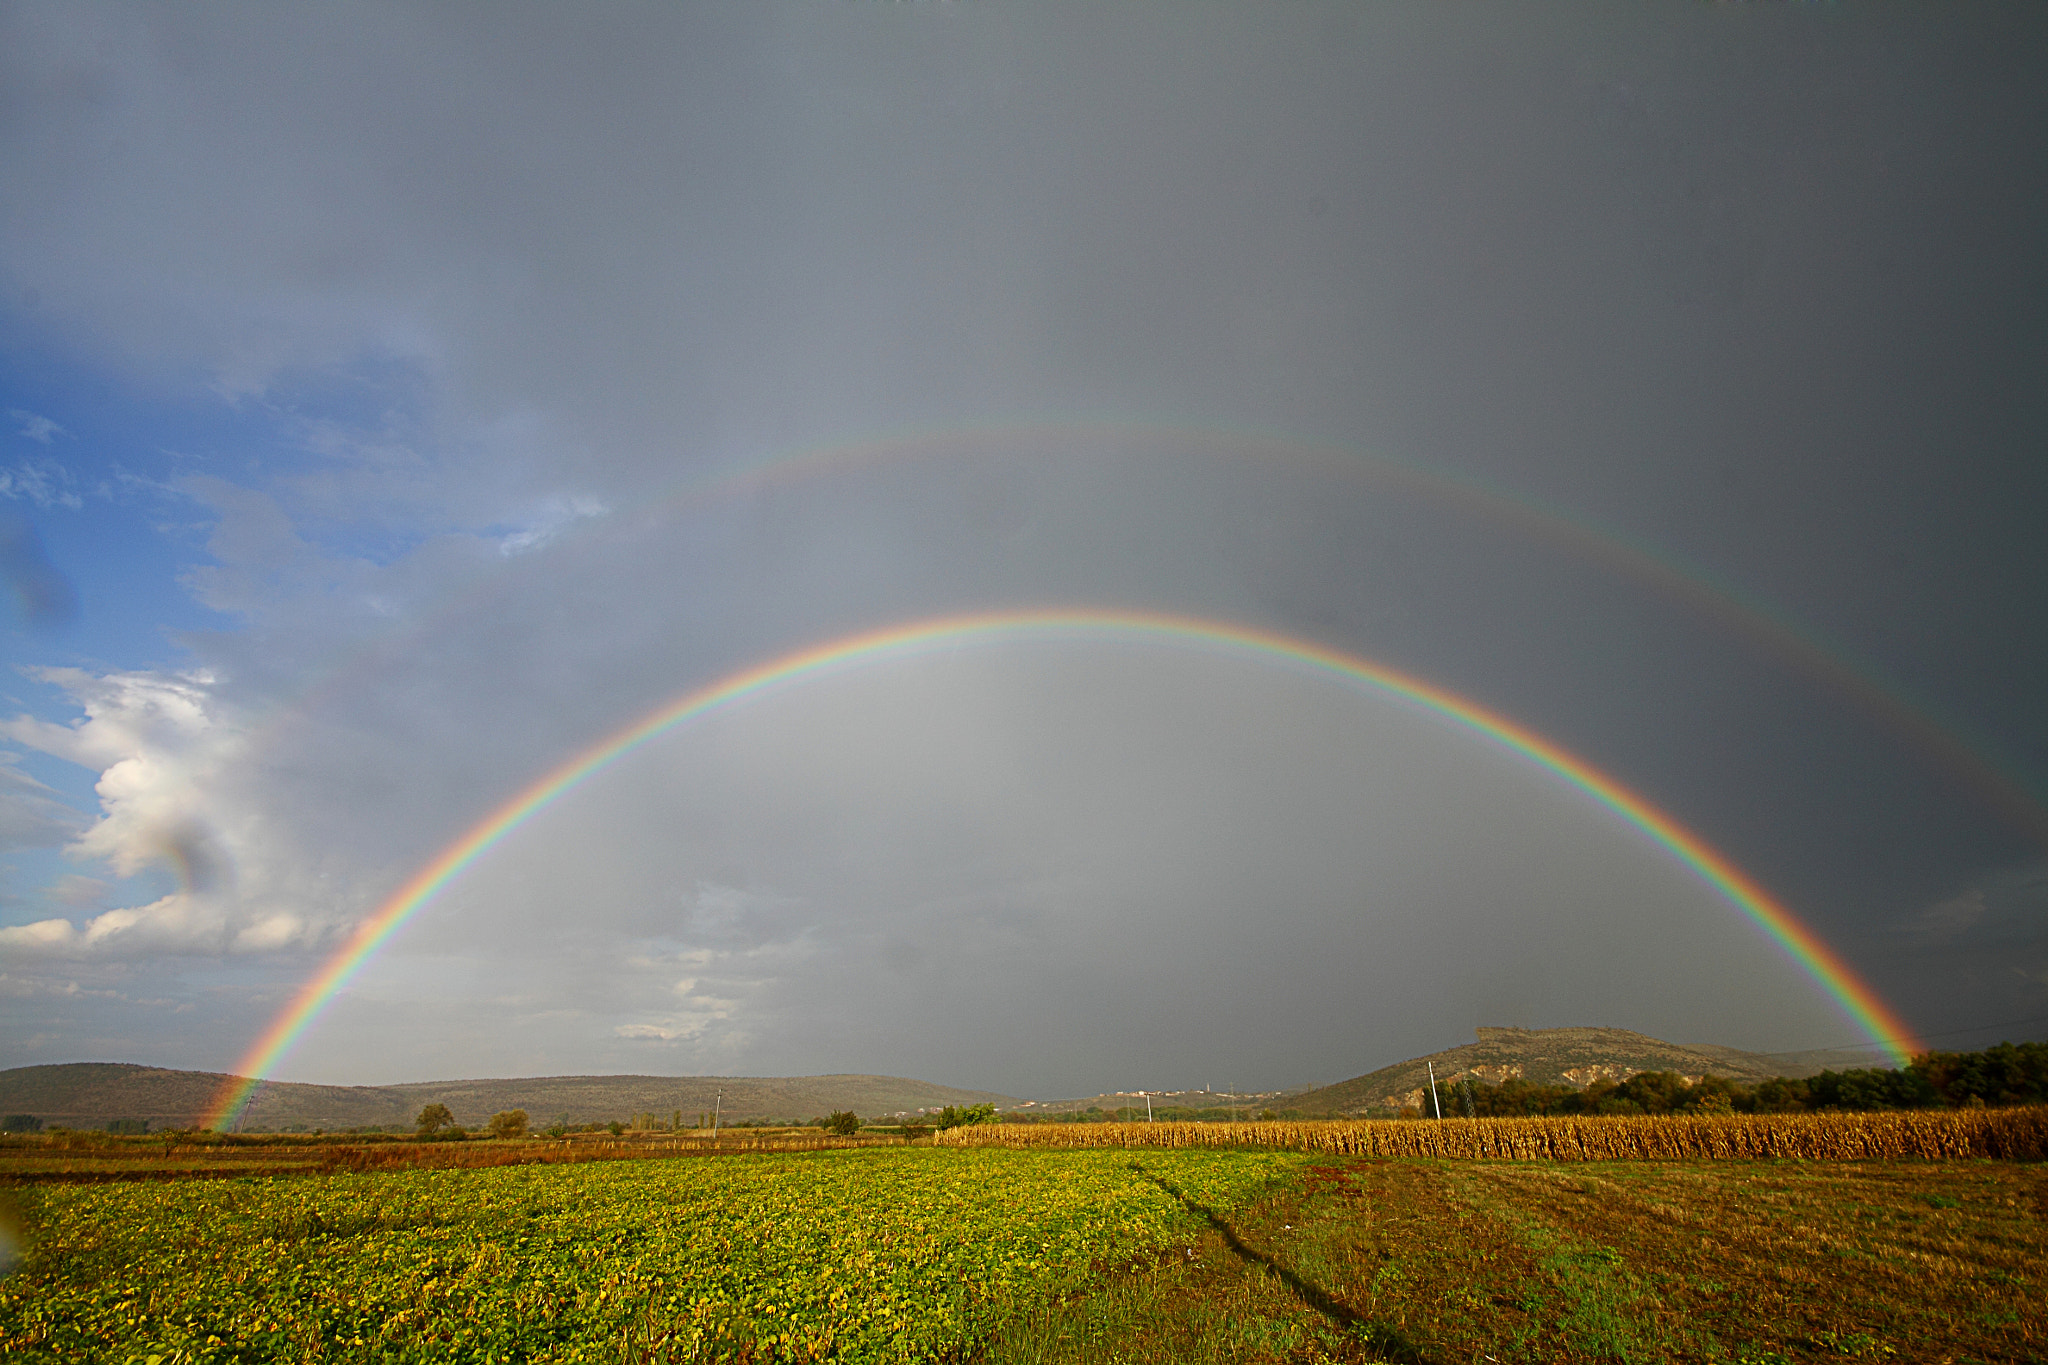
(2004, 1134)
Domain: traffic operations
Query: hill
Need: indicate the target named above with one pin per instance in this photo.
(1553, 1056)
(90, 1094)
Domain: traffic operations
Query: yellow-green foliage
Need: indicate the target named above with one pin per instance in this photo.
(895, 1254)
(2011, 1134)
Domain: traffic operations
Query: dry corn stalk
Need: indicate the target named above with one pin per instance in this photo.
(2007, 1134)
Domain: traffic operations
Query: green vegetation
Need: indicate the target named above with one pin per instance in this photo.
(966, 1252)
(1746, 1263)
(434, 1120)
(877, 1255)
(844, 1122)
(2005, 1075)
(964, 1116)
(2008, 1074)
(1559, 1056)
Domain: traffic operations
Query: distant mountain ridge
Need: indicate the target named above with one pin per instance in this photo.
(1556, 1056)
(90, 1094)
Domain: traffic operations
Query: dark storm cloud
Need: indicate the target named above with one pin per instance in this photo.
(1753, 288)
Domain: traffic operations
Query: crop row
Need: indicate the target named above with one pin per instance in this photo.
(2010, 1134)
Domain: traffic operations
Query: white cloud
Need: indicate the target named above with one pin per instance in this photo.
(45, 483)
(710, 1025)
(552, 519)
(178, 925)
(173, 795)
(174, 924)
(35, 426)
(45, 937)
(270, 933)
(155, 739)
(657, 1033)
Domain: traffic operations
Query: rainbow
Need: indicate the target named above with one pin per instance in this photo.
(1939, 741)
(1856, 999)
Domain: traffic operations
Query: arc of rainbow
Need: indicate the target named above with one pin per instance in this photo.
(1855, 997)
(1798, 645)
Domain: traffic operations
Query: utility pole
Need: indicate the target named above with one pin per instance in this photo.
(1148, 1106)
(1432, 1091)
(715, 1108)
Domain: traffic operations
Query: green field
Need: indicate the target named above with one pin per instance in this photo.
(876, 1255)
(1022, 1257)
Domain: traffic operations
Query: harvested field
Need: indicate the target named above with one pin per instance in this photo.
(1535, 1263)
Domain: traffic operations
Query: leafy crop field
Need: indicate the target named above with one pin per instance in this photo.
(2019, 1134)
(878, 1255)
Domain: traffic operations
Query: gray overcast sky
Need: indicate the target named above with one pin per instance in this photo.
(1667, 378)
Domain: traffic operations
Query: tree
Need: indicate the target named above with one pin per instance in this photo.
(508, 1123)
(433, 1119)
(1657, 1092)
(964, 1116)
(844, 1122)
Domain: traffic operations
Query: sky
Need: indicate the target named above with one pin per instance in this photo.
(401, 399)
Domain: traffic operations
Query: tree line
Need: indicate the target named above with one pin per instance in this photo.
(2007, 1074)
(437, 1124)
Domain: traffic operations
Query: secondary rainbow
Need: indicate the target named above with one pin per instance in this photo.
(1785, 641)
(1855, 997)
